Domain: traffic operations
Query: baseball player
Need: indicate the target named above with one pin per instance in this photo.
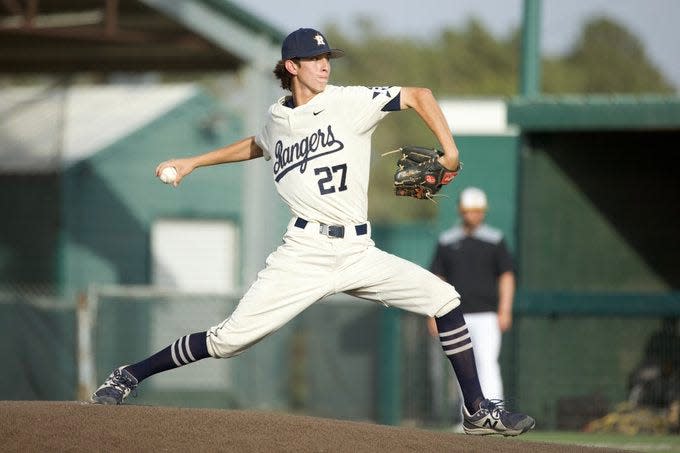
(318, 141)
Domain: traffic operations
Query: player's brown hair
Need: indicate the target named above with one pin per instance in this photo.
(282, 73)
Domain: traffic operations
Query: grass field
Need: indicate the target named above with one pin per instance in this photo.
(639, 443)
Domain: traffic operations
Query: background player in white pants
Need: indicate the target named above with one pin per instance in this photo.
(318, 143)
(473, 256)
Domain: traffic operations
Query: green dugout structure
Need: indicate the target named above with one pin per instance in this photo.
(598, 216)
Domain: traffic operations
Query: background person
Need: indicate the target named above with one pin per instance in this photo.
(474, 258)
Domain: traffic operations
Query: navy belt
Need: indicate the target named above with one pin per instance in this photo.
(334, 231)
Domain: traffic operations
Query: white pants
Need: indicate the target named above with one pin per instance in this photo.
(309, 266)
(486, 340)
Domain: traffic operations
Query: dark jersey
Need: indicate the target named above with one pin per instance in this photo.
(472, 264)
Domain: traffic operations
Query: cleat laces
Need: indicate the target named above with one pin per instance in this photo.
(496, 409)
(122, 383)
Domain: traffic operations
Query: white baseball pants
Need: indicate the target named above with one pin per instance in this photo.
(309, 266)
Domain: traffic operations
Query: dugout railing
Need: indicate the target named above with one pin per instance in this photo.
(570, 356)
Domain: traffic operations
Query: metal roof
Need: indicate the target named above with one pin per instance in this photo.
(595, 112)
(45, 129)
(49, 36)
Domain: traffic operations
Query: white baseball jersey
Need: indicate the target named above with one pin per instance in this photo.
(320, 151)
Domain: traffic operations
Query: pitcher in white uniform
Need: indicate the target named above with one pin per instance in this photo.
(318, 143)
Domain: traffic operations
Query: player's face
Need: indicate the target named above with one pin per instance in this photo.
(314, 72)
(472, 218)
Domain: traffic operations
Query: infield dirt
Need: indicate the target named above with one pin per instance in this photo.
(28, 426)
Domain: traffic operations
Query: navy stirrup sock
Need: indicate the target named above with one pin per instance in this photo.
(457, 345)
(185, 350)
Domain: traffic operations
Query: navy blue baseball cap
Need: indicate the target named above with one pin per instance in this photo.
(305, 43)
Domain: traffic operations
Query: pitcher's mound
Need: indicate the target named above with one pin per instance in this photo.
(75, 426)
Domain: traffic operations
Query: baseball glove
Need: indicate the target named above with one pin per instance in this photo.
(419, 173)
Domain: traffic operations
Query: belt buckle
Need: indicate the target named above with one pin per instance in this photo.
(334, 231)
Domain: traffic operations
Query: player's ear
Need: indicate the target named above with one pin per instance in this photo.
(291, 66)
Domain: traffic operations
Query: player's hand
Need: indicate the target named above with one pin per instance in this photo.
(504, 321)
(432, 327)
(183, 167)
(449, 163)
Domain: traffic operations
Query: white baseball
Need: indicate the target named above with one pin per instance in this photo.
(168, 175)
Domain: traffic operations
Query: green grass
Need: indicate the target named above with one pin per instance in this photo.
(639, 443)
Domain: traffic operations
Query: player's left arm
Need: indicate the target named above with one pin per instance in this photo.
(506, 286)
(423, 102)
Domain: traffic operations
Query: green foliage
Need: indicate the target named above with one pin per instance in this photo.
(472, 62)
(606, 59)
(457, 63)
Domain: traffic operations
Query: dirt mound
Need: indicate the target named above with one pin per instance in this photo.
(75, 426)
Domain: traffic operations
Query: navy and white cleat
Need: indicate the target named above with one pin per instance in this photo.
(492, 418)
(115, 388)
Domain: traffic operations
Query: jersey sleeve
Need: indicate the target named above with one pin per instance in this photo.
(367, 106)
(503, 258)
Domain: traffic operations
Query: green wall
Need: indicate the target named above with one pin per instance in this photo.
(29, 230)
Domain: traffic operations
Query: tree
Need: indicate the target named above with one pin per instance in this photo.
(607, 58)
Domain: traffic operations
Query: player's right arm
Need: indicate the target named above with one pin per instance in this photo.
(424, 103)
(245, 149)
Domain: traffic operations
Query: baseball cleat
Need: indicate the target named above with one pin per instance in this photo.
(492, 418)
(115, 388)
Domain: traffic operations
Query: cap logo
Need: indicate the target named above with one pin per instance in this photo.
(319, 40)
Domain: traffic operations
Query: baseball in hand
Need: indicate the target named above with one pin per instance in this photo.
(168, 175)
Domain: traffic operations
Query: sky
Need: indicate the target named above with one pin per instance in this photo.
(655, 22)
